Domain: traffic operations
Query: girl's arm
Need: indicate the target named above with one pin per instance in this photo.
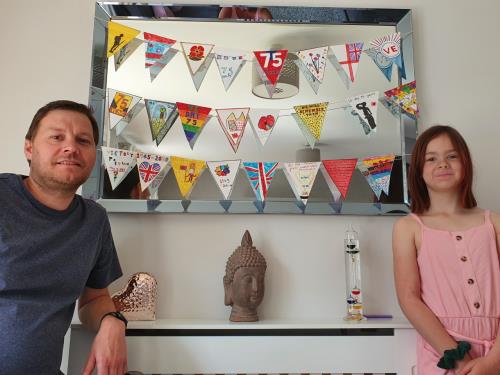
(491, 363)
(407, 279)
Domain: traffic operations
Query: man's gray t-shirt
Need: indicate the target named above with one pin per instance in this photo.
(47, 258)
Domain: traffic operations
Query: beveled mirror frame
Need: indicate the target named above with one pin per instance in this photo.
(399, 18)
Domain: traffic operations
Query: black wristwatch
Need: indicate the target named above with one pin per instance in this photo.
(117, 315)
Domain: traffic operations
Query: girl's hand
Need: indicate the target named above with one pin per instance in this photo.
(466, 363)
(479, 366)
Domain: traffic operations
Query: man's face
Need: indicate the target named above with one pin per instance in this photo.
(63, 151)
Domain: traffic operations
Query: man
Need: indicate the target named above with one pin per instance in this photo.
(56, 247)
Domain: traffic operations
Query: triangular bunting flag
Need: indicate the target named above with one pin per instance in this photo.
(118, 164)
(225, 204)
(132, 113)
(336, 206)
(229, 64)
(162, 116)
(120, 104)
(124, 53)
(224, 172)
(158, 53)
(269, 66)
(301, 178)
(150, 166)
(260, 175)
(233, 122)
(152, 204)
(193, 118)
(377, 171)
(345, 60)
(305, 131)
(155, 184)
(118, 37)
(312, 63)
(198, 59)
(263, 122)
(186, 173)
(391, 106)
(310, 118)
(405, 97)
(365, 106)
(385, 51)
(338, 174)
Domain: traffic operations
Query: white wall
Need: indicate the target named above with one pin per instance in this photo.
(46, 53)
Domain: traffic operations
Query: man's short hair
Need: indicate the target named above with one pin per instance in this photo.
(66, 105)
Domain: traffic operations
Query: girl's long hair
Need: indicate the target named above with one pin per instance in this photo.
(420, 201)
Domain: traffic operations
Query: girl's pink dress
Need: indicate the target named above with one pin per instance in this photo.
(460, 283)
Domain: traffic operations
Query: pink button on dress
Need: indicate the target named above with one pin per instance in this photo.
(460, 283)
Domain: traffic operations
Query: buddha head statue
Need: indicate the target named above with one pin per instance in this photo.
(244, 281)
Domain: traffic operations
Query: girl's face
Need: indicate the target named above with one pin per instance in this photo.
(443, 170)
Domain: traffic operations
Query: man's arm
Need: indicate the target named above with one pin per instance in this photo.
(109, 352)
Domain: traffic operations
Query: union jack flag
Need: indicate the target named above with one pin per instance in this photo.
(149, 171)
(260, 175)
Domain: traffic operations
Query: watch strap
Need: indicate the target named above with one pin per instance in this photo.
(118, 315)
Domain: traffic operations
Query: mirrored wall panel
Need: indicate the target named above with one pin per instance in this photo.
(209, 109)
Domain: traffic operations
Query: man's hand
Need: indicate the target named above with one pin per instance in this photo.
(109, 352)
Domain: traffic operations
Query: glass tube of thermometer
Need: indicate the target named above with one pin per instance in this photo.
(353, 275)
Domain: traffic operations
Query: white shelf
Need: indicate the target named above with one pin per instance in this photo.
(200, 324)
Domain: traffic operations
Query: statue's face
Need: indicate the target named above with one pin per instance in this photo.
(247, 290)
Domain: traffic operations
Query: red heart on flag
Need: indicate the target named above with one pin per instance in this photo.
(266, 122)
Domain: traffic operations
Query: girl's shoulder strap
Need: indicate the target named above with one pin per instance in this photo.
(487, 216)
(417, 218)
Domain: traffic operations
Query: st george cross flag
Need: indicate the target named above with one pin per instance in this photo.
(386, 51)
(224, 173)
(312, 63)
(198, 59)
(118, 37)
(310, 118)
(338, 174)
(158, 53)
(125, 52)
(150, 166)
(301, 178)
(405, 97)
(263, 122)
(365, 105)
(229, 64)
(377, 171)
(269, 66)
(120, 105)
(345, 59)
(193, 118)
(162, 116)
(186, 173)
(260, 175)
(233, 122)
(118, 164)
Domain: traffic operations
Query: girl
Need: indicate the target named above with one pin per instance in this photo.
(446, 261)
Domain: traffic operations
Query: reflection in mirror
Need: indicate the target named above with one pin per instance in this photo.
(344, 135)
